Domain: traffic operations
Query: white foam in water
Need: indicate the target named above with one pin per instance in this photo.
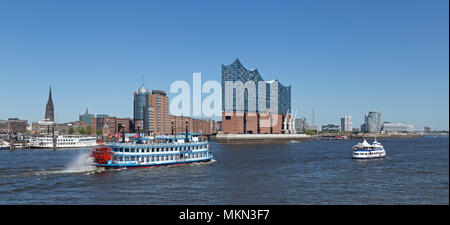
(81, 163)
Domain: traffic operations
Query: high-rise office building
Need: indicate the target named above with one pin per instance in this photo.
(346, 124)
(141, 98)
(242, 104)
(86, 117)
(373, 122)
(149, 117)
(160, 103)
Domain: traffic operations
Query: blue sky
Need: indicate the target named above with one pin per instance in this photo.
(341, 57)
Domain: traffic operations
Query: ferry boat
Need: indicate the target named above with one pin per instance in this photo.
(160, 151)
(365, 150)
(4, 145)
(63, 141)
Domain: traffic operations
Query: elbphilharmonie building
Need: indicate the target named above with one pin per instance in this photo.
(252, 105)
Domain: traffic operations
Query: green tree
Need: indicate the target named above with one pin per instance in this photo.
(89, 129)
(71, 130)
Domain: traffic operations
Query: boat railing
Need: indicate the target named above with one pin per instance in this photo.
(156, 144)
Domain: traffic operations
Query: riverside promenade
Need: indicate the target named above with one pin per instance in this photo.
(261, 138)
(359, 136)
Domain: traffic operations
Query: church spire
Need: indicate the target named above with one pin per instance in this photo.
(49, 109)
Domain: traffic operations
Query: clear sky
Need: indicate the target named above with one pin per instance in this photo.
(341, 57)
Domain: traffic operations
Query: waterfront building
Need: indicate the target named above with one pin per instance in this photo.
(140, 101)
(17, 125)
(42, 127)
(390, 127)
(160, 103)
(346, 124)
(86, 117)
(123, 123)
(113, 123)
(202, 126)
(241, 114)
(3, 126)
(98, 122)
(363, 127)
(178, 124)
(149, 118)
(49, 109)
(373, 122)
(331, 128)
(300, 125)
(427, 129)
(314, 128)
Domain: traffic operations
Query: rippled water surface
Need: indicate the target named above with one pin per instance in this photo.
(317, 172)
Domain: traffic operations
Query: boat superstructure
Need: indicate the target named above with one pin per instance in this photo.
(63, 141)
(4, 145)
(146, 152)
(365, 150)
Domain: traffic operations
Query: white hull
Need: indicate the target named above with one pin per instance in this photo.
(369, 154)
(146, 155)
(64, 142)
(365, 150)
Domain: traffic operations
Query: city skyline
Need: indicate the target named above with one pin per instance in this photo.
(340, 62)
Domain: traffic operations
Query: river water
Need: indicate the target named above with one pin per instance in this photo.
(416, 171)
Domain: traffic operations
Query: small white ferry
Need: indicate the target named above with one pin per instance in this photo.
(4, 145)
(63, 141)
(143, 152)
(365, 150)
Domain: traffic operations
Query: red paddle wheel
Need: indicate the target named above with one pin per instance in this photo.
(102, 155)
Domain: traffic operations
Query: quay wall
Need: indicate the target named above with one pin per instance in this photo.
(261, 138)
(386, 136)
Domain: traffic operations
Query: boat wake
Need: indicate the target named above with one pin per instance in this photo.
(81, 163)
(203, 163)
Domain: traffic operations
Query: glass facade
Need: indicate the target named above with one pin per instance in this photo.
(140, 101)
(373, 122)
(389, 127)
(248, 93)
(331, 128)
(86, 118)
(346, 124)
